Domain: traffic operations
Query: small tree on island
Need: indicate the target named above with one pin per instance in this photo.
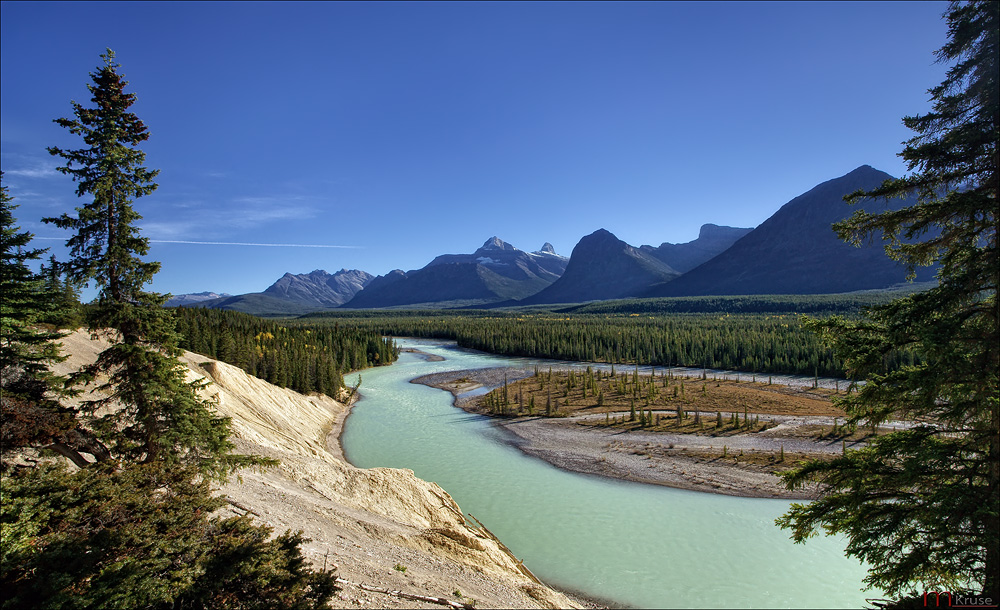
(920, 506)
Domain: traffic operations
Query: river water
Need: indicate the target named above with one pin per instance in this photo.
(635, 545)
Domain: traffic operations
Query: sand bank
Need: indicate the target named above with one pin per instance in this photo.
(685, 461)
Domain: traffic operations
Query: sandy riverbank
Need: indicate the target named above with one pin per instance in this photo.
(387, 533)
(685, 461)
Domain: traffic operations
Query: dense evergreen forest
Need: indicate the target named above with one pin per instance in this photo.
(761, 334)
(743, 342)
(304, 358)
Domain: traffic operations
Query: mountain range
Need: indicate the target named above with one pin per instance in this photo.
(320, 289)
(192, 298)
(712, 241)
(795, 251)
(495, 272)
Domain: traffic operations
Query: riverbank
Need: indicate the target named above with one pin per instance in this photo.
(394, 540)
(740, 464)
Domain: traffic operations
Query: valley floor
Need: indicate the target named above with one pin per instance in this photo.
(742, 464)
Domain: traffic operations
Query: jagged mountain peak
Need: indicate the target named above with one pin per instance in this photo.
(318, 288)
(547, 249)
(495, 243)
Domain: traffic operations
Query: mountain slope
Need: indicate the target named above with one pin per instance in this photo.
(795, 251)
(319, 288)
(604, 267)
(258, 304)
(712, 241)
(495, 272)
(179, 300)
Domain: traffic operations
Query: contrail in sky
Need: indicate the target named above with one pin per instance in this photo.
(228, 243)
(239, 243)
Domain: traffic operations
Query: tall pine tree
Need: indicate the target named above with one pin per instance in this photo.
(157, 414)
(135, 529)
(920, 506)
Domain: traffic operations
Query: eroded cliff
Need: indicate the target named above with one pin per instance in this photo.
(381, 527)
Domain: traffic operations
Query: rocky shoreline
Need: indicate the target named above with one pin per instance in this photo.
(685, 461)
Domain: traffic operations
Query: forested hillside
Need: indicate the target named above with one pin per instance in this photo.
(304, 358)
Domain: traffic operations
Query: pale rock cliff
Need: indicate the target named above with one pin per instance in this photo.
(370, 523)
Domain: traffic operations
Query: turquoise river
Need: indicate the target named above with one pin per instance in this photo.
(632, 544)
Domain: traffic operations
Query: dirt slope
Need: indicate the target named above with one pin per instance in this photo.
(381, 527)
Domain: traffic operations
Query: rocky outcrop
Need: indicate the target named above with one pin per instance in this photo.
(381, 527)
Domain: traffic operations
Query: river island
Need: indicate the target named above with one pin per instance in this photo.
(710, 435)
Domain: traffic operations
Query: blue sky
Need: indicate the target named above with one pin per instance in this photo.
(391, 132)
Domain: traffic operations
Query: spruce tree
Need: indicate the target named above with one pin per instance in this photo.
(157, 414)
(30, 413)
(920, 506)
(22, 343)
(135, 529)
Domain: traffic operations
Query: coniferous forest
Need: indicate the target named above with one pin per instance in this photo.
(302, 358)
(757, 342)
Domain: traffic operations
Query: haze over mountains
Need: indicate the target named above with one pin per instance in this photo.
(795, 251)
(192, 298)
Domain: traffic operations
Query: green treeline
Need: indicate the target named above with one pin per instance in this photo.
(750, 342)
(304, 358)
(757, 333)
(811, 304)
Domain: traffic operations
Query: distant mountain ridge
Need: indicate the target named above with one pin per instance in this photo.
(796, 251)
(180, 300)
(294, 294)
(319, 288)
(604, 267)
(712, 241)
(495, 272)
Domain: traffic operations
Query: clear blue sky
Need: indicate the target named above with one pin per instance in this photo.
(408, 130)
